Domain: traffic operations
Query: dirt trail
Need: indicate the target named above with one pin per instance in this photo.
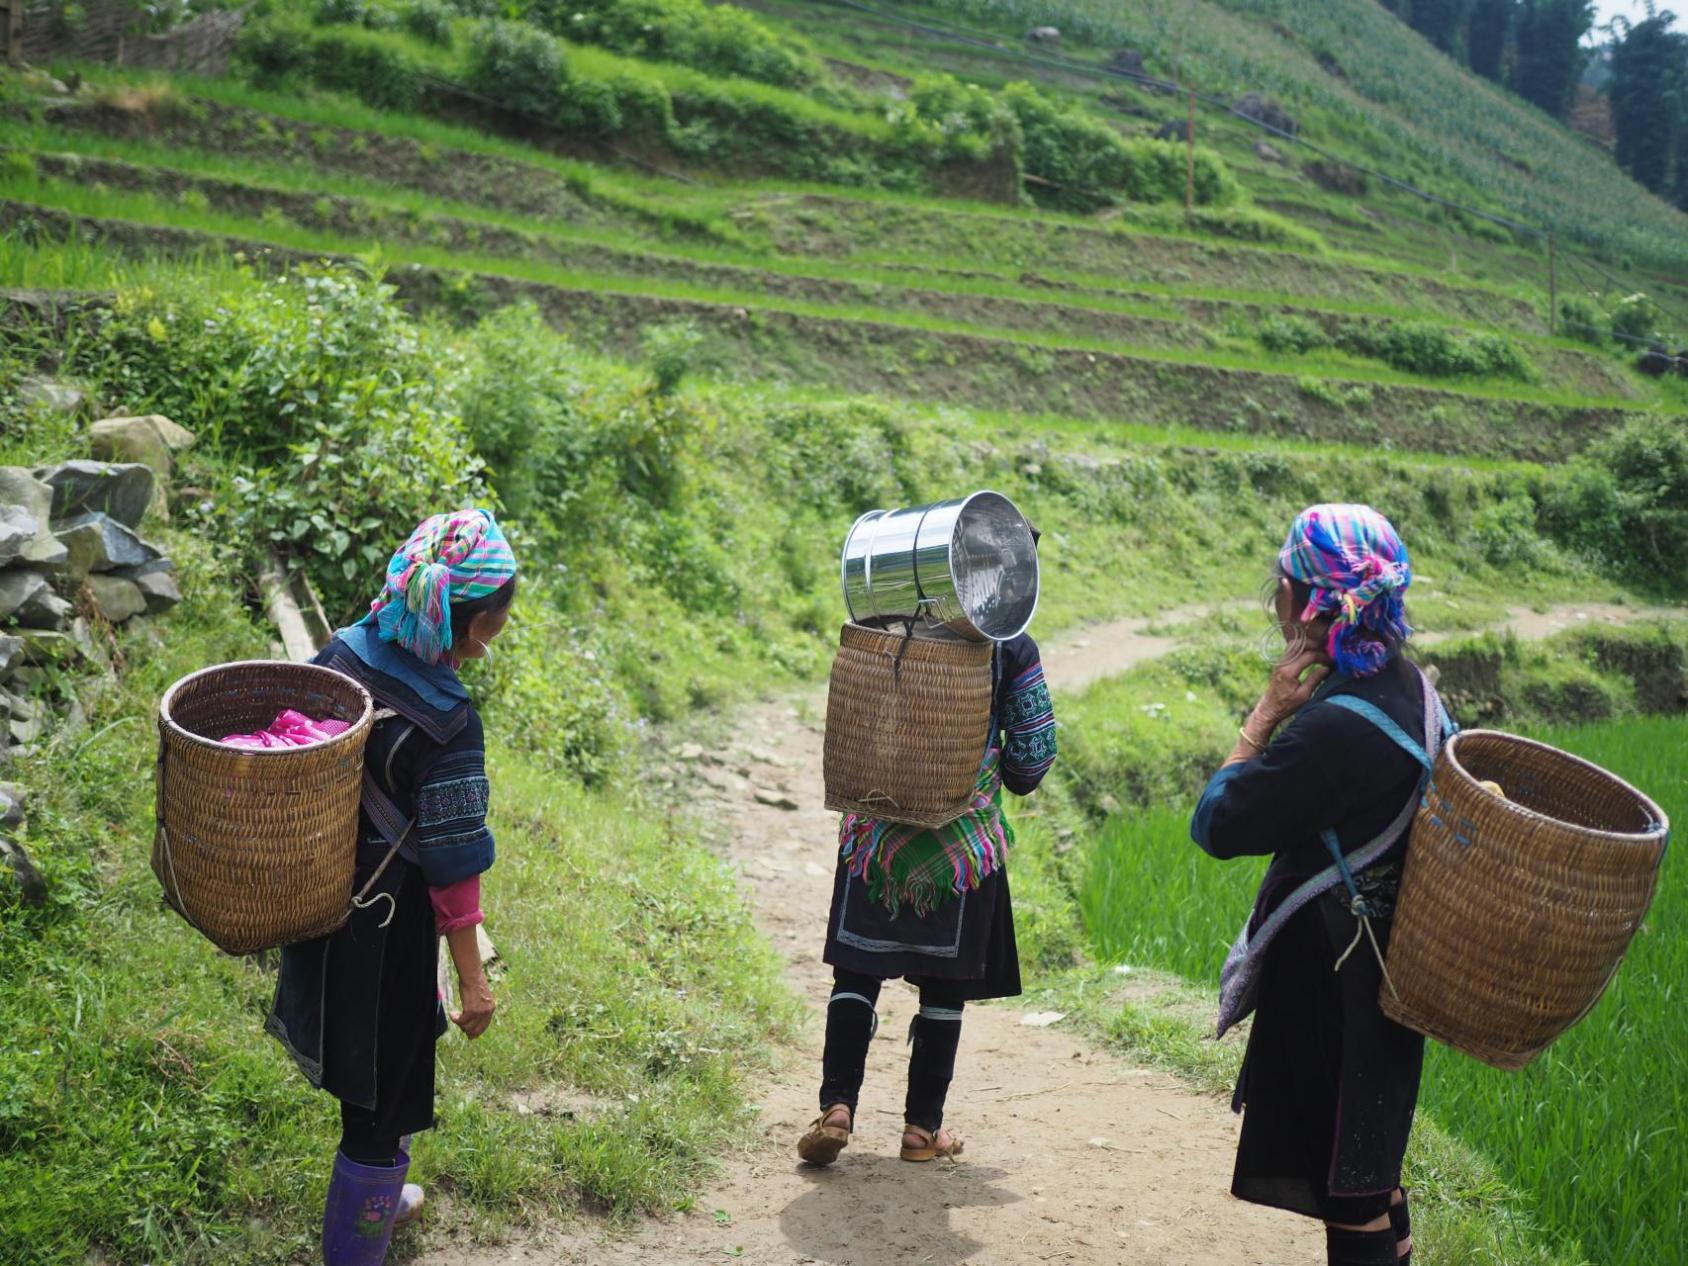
(1074, 1156)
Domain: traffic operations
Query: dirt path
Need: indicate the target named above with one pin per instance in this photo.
(1074, 1155)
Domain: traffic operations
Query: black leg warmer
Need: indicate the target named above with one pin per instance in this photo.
(850, 1023)
(934, 1034)
(1360, 1248)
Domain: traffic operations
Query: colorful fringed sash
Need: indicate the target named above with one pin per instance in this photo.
(923, 867)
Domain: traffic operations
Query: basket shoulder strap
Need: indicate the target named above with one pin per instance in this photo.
(1383, 721)
(387, 818)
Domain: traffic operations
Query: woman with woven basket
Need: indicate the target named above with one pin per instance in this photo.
(1329, 1083)
(931, 906)
(359, 1010)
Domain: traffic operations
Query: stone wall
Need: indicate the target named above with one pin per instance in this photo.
(73, 566)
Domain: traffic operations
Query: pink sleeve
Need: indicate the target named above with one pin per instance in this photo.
(458, 905)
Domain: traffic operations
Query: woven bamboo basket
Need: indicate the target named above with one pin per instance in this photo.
(907, 723)
(257, 848)
(1515, 910)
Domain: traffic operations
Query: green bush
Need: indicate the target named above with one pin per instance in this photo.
(366, 64)
(716, 39)
(518, 66)
(1091, 162)
(1291, 334)
(321, 390)
(1504, 532)
(954, 118)
(1436, 351)
(1625, 501)
(1582, 319)
(669, 350)
(1637, 317)
(428, 20)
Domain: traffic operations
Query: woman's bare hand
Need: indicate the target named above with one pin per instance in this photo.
(1293, 682)
(474, 1016)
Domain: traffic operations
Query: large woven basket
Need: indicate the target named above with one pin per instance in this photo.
(1515, 912)
(907, 722)
(257, 848)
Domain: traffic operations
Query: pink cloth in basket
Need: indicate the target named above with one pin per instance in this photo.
(290, 729)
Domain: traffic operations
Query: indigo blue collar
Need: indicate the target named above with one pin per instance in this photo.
(435, 684)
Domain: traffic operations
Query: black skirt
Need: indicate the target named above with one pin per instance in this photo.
(359, 1010)
(969, 939)
(1329, 1083)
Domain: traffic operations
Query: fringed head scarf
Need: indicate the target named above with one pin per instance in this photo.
(456, 557)
(1357, 567)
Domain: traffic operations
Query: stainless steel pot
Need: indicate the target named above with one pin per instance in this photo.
(969, 565)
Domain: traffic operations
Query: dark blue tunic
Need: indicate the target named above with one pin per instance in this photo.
(359, 1010)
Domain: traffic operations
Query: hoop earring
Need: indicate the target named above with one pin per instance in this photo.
(1274, 649)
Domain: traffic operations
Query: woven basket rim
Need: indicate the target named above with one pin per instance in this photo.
(1660, 830)
(178, 731)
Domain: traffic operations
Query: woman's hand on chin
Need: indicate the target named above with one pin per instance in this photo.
(1293, 683)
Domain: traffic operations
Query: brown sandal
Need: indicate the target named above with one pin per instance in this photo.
(929, 1148)
(823, 1142)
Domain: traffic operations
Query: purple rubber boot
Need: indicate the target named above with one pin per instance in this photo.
(357, 1221)
(410, 1200)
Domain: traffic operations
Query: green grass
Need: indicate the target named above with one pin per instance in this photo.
(1592, 1132)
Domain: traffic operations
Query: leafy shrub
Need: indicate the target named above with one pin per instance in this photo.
(349, 59)
(428, 20)
(669, 350)
(1091, 162)
(955, 118)
(1436, 351)
(319, 387)
(1504, 532)
(1637, 317)
(1582, 319)
(716, 39)
(1291, 334)
(1625, 501)
(519, 66)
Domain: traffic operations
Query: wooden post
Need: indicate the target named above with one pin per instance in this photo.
(11, 27)
(1190, 159)
(1552, 289)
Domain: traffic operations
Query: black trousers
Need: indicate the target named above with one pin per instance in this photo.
(934, 1034)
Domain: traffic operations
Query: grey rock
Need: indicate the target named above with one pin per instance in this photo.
(45, 550)
(19, 487)
(28, 678)
(124, 490)
(11, 654)
(17, 756)
(18, 528)
(43, 648)
(116, 598)
(17, 706)
(99, 543)
(153, 441)
(14, 859)
(25, 731)
(773, 799)
(50, 396)
(16, 790)
(1048, 36)
(46, 610)
(1268, 153)
(19, 588)
(1127, 61)
(160, 590)
(11, 811)
(1251, 105)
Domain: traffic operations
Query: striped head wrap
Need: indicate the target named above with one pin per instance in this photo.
(449, 558)
(1357, 567)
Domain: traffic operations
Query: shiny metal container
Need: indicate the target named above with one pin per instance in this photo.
(969, 565)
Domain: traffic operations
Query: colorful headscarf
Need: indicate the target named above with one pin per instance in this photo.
(449, 558)
(1358, 569)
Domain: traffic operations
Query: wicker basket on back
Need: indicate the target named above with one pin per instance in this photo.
(257, 848)
(1515, 912)
(907, 721)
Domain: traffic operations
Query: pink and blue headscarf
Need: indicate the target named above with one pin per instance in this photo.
(1353, 560)
(456, 557)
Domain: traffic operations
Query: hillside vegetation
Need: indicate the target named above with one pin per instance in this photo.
(681, 289)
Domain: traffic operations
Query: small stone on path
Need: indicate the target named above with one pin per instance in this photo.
(774, 799)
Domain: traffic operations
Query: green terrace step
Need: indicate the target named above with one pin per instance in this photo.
(967, 368)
